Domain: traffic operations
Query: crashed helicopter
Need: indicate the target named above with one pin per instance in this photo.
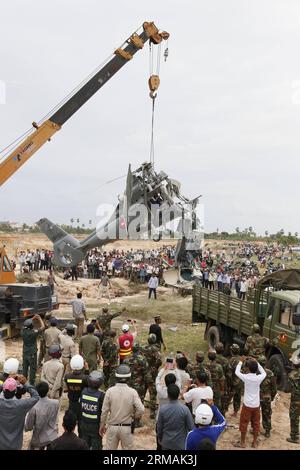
(151, 207)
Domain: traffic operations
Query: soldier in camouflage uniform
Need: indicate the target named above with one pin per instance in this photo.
(42, 350)
(224, 363)
(268, 390)
(110, 356)
(294, 380)
(153, 357)
(217, 377)
(140, 373)
(234, 384)
(104, 321)
(256, 344)
(198, 366)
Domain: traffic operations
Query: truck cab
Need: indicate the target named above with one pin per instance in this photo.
(20, 301)
(281, 327)
(274, 305)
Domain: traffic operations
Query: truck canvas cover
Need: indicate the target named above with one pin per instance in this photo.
(285, 279)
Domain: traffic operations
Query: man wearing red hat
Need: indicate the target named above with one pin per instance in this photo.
(13, 413)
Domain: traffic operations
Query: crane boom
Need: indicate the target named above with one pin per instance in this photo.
(48, 128)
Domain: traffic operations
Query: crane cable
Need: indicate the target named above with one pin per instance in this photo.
(152, 131)
(153, 93)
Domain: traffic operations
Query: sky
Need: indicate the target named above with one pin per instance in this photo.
(227, 113)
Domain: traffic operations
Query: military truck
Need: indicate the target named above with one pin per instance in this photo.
(20, 301)
(274, 305)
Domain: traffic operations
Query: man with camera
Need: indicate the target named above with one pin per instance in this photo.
(195, 393)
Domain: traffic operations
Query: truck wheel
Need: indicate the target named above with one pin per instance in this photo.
(276, 365)
(213, 336)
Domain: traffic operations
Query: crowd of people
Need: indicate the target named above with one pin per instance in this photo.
(237, 270)
(234, 271)
(34, 260)
(109, 378)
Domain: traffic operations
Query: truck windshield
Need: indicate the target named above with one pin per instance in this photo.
(285, 309)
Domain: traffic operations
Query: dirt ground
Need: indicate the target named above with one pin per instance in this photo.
(145, 436)
(178, 332)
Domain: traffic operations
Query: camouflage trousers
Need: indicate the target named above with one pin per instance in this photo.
(106, 373)
(42, 351)
(112, 376)
(235, 396)
(141, 389)
(294, 419)
(218, 400)
(266, 413)
(224, 402)
(152, 397)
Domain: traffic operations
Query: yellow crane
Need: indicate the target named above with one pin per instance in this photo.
(43, 131)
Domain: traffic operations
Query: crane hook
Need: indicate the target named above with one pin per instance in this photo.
(153, 94)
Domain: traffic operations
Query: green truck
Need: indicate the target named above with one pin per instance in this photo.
(274, 305)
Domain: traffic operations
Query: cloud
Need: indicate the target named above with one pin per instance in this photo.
(227, 114)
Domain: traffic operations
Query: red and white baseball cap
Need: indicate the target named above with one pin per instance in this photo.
(10, 384)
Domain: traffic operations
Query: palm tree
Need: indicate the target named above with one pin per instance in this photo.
(266, 233)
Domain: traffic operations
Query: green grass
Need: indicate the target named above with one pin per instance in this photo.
(175, 311)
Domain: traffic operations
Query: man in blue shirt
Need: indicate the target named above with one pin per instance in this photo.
(204, 429)
(174, 422)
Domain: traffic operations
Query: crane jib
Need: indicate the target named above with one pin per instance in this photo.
(94, 84)
(43, 132)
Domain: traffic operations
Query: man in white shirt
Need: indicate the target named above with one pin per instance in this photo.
(152, 284)
(200, 391)
(22, 261)
(251, 406)
(243, 289)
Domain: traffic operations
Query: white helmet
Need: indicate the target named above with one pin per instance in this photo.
(125, 328)
(204, 414)
(77, 362)
(11, 366)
